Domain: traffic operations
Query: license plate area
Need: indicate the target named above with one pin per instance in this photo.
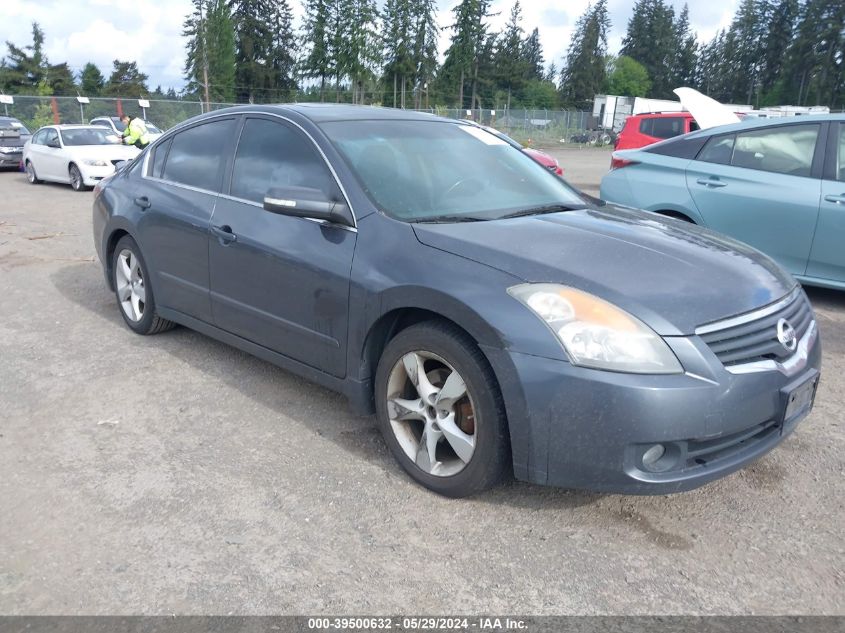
(798, 400)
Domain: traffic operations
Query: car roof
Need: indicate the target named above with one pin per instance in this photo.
(755, 122)
(324, 112)
(683, 113)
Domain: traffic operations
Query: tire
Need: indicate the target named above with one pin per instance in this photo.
(468, 434)
(31, 176)
(76, 178)
(133, 290)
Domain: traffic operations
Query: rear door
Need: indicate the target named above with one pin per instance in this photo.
(827, 257)
(762, 187)
(279, 281)
(176, 199)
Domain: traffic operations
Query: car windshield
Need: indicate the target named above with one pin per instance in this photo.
(118, 124)
(13, 125)
(418, 171)
(86, 136)
(152, 129)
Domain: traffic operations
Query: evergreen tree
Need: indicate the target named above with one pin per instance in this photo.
(744, 52)
(511, 66)
(780, 30)
(686, 52)
(91, 80)
(652, 41)
(424, 50)
(254, 39)
(316, 36)
(126, 81)
(25, 68)
(466, 50)
(358, 50)
(282, 54)
(60, 79)
(551, 73)
(584, 73)
(397, 45)
(211, 41)
(532, 52)
(814, 70)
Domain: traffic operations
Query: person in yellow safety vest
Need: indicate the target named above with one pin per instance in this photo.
(135, 133)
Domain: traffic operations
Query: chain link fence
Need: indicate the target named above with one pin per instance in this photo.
(529, 127)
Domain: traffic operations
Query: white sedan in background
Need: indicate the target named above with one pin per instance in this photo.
(81, 155)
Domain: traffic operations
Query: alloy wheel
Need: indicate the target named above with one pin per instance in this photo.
(431, 413)
(30, 173)
(129, 279)
(75, 178)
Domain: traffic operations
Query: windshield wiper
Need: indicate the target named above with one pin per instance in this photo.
(547, 208)
(449, 219)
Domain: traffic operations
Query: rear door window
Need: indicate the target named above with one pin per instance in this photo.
(197, 155)
(646, 126)
(719, 150)
(787, 149)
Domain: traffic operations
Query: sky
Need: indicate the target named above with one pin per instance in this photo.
(150, 31)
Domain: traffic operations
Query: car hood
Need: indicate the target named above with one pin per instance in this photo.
(671, 275)
(706, 111)
(103, 152)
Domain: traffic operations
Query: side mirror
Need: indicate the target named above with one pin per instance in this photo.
(120, 165)
(305, 202)
(54, 144)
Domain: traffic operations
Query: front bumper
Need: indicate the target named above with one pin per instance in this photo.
(575, 427)
(92, 174)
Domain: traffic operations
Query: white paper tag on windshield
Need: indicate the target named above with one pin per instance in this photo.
(482, 135)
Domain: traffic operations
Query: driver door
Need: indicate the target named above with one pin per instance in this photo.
(279, 281)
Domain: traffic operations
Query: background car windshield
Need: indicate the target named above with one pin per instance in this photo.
(419, 170)
(86, 136)
(152, 129)
(8, 125)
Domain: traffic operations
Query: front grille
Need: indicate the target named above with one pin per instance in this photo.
(754, 337)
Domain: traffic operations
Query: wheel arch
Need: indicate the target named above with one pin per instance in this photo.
(111, 243)
(678, 215)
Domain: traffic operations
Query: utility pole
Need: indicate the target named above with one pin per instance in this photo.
(204, 58)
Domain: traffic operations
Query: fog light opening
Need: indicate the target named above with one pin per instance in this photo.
(653, 455)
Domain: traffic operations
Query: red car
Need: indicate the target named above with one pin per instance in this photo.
(546, 160)
(647, 128)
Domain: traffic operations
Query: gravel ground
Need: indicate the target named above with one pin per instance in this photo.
(173, 474)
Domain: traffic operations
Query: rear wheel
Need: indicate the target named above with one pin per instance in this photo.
(440, 410)
(31, 176)
(133, 290)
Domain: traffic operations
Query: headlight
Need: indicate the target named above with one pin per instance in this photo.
(595, 333)
(96, 163)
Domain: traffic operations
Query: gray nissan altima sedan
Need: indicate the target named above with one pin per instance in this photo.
(492, 318)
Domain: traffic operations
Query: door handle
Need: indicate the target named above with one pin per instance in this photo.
(224, 234)
(143, 202)
(711, 182)
(840, 199)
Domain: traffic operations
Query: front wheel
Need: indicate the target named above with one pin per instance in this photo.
(133, 291)
(440, 410)
(76, 178)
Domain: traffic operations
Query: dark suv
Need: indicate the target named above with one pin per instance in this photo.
(13, 136)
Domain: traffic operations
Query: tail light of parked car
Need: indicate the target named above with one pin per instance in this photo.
(619, 163)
